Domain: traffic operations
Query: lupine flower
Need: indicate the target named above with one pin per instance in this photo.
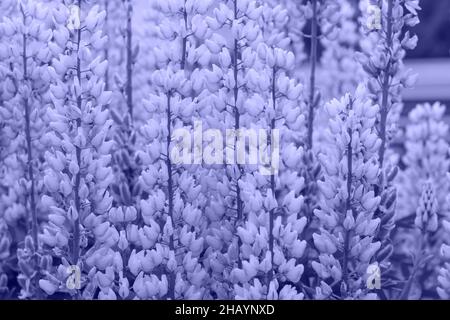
(426, 157)
(112, 186)
(25, 56)
(426, 162)
(78, 174)
(383, 49)
(346, 241)
(173, 206)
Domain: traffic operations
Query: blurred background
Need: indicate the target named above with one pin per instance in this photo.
(431, 58)
(434, 30)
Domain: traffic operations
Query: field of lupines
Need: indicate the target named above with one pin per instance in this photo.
(98, 99)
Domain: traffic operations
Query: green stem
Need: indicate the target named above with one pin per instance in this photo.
(170, 190)
(76, 232)
(129, 87)
(385, 87)
(312, 77)
(34, 222)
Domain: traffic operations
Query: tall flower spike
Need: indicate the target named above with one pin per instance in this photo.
(237, 104)
(426, 222)
(384, 47)
(426, 157)
(173, 207)
(280, 218)
(126, 188)
(25, 56)
(346, 242)
(423, 187)
(249, 69)
(78, 155)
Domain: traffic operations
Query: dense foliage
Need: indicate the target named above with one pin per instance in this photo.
(218, 149)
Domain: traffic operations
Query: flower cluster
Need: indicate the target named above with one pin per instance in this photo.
(194, 149)
(346, 241)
